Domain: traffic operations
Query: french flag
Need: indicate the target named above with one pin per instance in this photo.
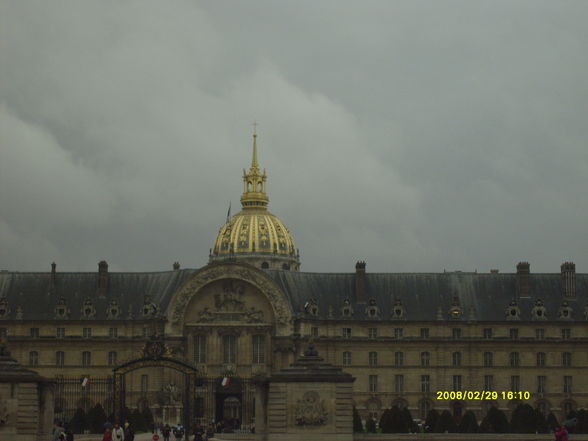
(85, 381)
(226, 382)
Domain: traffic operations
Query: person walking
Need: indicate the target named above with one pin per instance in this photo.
(165, 432)
(118, 434)
(129, 432)
(57, 430)
(107, 434)
(561, 434)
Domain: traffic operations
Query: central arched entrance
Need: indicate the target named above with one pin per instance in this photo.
(229, 401)
(172, 400)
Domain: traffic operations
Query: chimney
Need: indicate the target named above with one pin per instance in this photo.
(568, 279)
(176, 266)
(523, 279)
(102, 278)
(360, 282)
(53, 274)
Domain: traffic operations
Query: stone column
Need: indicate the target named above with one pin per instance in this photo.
(260, 407)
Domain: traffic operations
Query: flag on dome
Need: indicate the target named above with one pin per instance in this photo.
(226, 382)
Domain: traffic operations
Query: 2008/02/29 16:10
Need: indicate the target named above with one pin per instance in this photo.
(482, 395)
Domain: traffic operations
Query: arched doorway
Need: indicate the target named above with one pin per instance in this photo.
(155, 356)
(229, 401)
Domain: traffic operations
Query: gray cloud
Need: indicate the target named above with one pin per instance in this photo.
(418, 135)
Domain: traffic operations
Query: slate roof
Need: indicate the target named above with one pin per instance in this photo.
(484, 297)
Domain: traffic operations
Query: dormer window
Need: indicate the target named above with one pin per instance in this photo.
(113, 310)
(539, 312)
(4, 308)
(398, 310)
(565, 311)
(513, 311)
(456, 311)
(346, 310)
(61, 310)
(88, 309)
(149, 308)
(311, 307)
(372, 310)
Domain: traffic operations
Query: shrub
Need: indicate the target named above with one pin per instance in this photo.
(524, 419)
(445, 423)
(79, 421)
(431, 419)
(357, 424)
(540, 422)
(469, 423)
(370, 425)
(552, 422)
(494, 422)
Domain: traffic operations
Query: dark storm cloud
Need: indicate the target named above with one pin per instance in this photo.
(416, 135)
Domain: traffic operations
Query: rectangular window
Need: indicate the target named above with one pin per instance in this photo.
(33, 358)
(373, 332)
(373, 358)
(229, 349)
(60, 333)
(539, 334)
(144, 331)
(514, 359)
(541, 380)
(425, 383)
(567, 384)
(488, 359)
(425, 359)
(489, 382)
(399, 358)
(346, 332)
(35, 332)
(456, 359)
(398, 332)
(87, 332)
(540, 359)
(399, 384)
(566, 334)
(112, 358)
(144, 383)
(86, 358)
(113, 332)
(514, 333)
(199, 349)
(515, 383)
(258, 349)
(487, 332)
(456, 333)
(60, 358)
(346, 358)
(314, 331)
(456, 382)
(424, 332)
(373, 383)
(566, 359)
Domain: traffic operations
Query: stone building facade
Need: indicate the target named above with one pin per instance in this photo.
(250, 311)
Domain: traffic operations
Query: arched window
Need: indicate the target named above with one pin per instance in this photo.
(425, 357)
(264, 265)
(112, 358)
(229, 349)
(457, 409)
(33, 358)
(86, 358)
(424, 408)
(456, 358)
(59, 358)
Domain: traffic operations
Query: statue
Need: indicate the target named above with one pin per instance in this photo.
(173, 393)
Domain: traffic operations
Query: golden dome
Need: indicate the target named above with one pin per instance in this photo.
(254, 234)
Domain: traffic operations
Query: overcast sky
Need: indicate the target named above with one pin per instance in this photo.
(417, 135)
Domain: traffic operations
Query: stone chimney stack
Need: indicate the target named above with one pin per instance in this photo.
(176, 266)
(360, 282)
(523, 279)
(53, 274)
(568, 279)
(102, 278)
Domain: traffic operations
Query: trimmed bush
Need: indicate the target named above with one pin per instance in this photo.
(357, 424)
(370, 425)
(78, 422)
(552, 422)
(468, 423)
(431, 419)
(524, 419)
(96, 419)
(445, 423)
(494, 422)
(540, 422)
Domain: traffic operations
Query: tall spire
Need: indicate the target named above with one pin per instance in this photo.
(254, 196)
